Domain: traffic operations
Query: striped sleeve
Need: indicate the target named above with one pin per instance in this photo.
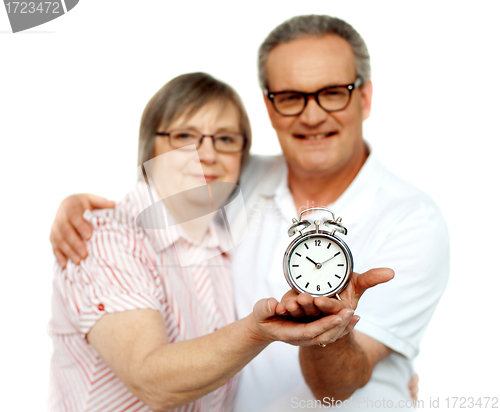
(115, 277)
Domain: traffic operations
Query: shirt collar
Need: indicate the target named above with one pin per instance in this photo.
(356, 200)
(359, 197)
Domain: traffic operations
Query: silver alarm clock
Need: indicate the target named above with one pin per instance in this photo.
(317, 261)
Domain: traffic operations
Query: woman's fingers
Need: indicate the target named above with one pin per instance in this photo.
(274, 327)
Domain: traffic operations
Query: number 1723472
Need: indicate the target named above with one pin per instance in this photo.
(23, 7)
(483, 402)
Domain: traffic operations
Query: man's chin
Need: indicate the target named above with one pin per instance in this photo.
(319, 165)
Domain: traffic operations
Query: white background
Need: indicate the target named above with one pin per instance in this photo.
(72, 93)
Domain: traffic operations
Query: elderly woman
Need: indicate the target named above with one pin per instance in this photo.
(146, 321)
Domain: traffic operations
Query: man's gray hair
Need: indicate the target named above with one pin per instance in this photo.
(315, 25)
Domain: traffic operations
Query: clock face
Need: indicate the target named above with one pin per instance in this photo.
(318, 265)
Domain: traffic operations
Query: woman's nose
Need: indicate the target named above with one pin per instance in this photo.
(206, 150)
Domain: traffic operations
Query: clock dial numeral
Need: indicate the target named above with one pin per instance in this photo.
(337, 276)
(307, 247)
(298, 254)
(307, 284)
(329, 244)
(317, 242)
(329, 284)
(340, 264)
(318, 288)
(298, 277)
(295, 266)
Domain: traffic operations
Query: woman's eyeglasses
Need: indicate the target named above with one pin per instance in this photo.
(224, 142)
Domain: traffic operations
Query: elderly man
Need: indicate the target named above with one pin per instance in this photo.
(315, 76)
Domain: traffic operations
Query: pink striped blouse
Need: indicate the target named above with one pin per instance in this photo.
(131, 268)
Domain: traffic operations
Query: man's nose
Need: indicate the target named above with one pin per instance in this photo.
(313, 114)
(206, 150)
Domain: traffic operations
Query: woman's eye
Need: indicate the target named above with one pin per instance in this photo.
(184, 136)
(226, 139)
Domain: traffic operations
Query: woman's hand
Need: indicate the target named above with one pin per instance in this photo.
(69, 229)
(271, 326)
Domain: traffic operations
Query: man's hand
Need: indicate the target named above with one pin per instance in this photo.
(272, 327)
(303, 304)
(70, 229)
(413, 387)
(337, 370)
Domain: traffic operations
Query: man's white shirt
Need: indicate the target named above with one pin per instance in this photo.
(390, 224)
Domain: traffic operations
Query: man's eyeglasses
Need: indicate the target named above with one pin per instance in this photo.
(224, 142)
(330, 99)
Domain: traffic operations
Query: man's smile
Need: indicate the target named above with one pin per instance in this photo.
(317, 136)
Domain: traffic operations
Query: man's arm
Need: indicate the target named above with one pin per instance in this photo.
(166, 375)
(70, 229)
(418, 250)
(355, 357)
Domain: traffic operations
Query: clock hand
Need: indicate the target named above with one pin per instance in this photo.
(327, 260)
(310, 260)
(330, 258)
(318, 265)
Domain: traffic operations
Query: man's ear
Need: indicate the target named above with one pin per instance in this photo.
(366, 98)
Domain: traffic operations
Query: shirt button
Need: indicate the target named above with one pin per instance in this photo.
(100, 307)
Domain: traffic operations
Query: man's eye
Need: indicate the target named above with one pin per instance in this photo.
(333, 93)
(285, 98)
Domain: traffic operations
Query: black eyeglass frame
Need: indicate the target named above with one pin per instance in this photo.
(212, 136)
(350, 87)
